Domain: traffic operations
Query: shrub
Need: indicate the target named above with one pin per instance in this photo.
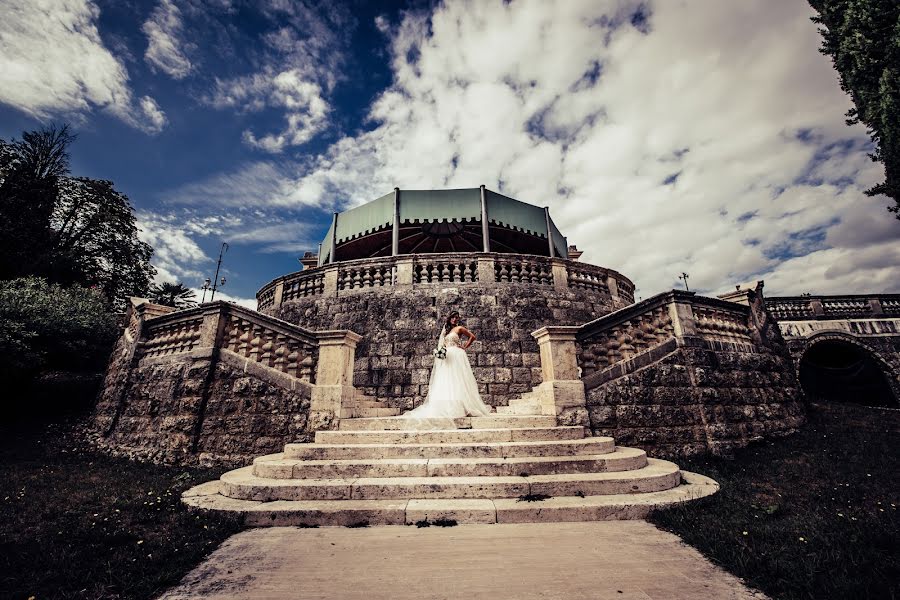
(44, 326)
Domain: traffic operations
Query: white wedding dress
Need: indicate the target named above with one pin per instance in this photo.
(452, 389)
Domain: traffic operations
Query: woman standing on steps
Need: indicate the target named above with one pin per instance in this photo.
(452, 389)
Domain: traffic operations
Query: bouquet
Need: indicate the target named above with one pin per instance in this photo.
(440, 353)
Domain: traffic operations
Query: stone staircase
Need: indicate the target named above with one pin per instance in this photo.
(502, 468)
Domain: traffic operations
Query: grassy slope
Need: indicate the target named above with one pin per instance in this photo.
(76, 524)
(809, 516)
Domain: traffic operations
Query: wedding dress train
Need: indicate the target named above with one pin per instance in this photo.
(452, 389)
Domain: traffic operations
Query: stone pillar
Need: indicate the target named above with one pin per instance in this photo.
(334, 377)
(213, 325)
(486, 273)
(395, 235)
(815, 305)
(404, 268)
(279, 294)
(485, 229)
(875, 304)
(330, 281)
(562, 392)
(613, 287)
(549, 232)
(682, 315)
(560, 274)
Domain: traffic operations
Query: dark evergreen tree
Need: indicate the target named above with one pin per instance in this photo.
(862, 37)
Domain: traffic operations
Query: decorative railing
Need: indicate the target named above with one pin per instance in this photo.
(523, 269)
(444, 269)
(301, 288)
(587, 277)
(354, 276)
(801, 308)
(456, 268)
(632, 331)
(174, 333)
(272, 344)
(721, 324)
(248, 334)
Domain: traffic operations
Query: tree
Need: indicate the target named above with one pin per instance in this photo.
(173, 294)
(71, 230)
(862, 37)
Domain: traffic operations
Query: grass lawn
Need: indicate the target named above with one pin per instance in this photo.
(813, 515)
(77, 524)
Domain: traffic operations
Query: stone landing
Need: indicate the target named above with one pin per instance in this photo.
(500, 468)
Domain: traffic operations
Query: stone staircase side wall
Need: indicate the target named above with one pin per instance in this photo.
(699, 399)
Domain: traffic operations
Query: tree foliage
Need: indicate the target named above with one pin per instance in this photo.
(862, 37)
(48, 326)
(70, 230)
(173, 294)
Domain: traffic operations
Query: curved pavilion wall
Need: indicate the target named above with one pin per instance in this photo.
(393, 268)
(398, 305)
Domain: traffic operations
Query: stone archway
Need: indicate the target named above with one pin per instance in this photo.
(837, 367)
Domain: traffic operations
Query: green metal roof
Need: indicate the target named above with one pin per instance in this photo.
(421, 206)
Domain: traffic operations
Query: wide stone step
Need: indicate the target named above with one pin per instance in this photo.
(655, 475)
(278, 467)
(442, 436)
(476, 510)
(528, 408)
(596, 445)
(364, 403)
(488, 422)
(355, 413)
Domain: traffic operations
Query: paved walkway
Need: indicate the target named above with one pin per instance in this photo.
(610, 559)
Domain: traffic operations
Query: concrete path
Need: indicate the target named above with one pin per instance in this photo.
(611, 559)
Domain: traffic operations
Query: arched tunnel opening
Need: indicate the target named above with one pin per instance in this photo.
(836, 371)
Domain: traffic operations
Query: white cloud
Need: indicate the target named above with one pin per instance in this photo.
(701, 136)
(176, 255)
(299, 62)
(52, 61)
(165, 47)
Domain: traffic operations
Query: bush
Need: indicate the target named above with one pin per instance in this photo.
(44, 326)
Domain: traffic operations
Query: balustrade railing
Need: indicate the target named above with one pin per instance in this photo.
(272, 345)
(724, 325)
(632, 331)
(246, 333)
(171, 334)
(799, 308)
(523, 270)
(359, 276)
(444, 269)
(455, 268)
(583, 277)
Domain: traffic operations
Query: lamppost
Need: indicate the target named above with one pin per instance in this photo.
(216, 282)
(684, 277)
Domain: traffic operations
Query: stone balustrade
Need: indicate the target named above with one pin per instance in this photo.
(244, 333)
(446, 268)
(802, 308)
(632, 331)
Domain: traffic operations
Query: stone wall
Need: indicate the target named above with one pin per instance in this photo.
(191, 411)
(400, 327)
(679, 374)
(218, 385)
(699, 399)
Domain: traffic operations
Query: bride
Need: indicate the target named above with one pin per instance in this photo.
(452, 390)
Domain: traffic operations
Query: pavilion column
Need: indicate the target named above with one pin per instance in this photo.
(395, 238)
(485, 232)
(549, 232)
(333, 238)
